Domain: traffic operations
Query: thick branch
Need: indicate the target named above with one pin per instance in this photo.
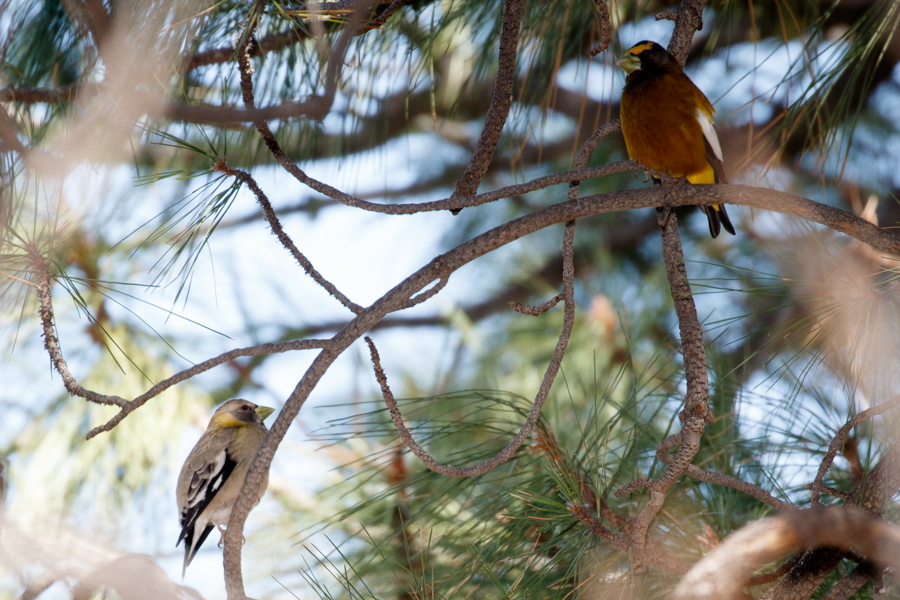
(849, 585)
(722, 573)
(688, 19)
(814, 566)
(697, 399)
(444, 265)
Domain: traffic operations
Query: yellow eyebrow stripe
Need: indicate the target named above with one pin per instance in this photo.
(640, 48)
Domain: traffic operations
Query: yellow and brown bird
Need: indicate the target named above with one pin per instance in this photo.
(214, 472)
(667, 123)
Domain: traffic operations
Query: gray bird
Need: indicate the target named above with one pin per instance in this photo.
(214, 472)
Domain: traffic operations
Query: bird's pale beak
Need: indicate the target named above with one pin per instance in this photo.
(629, 63)
(264, 411)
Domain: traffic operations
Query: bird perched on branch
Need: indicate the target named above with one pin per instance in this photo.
(667, 123)
(214, 472)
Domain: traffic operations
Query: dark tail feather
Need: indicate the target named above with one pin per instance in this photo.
(190, 550)
(718, 219)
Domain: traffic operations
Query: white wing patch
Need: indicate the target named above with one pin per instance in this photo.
(709, 132)
(200, 482)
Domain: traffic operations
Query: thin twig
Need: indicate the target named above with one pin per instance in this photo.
(605, 28)
(501, 101)
(552, 369)
(584, 155)
(41, 267)
(156, 390)
(596, 527)
(662, 453)
(381, 19)
(739, 485)
(262, 127)
(284, 238)
(817, 486)
(270, 43)
(534, 311)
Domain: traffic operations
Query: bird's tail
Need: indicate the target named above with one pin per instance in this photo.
(718, 219)
(192, 543)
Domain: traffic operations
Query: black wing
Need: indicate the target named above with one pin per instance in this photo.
(205, 483)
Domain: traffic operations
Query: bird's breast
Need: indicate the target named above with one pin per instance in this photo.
(660, 127)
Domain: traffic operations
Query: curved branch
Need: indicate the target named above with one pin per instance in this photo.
(725, 571)
(51, 343)
(156, 390)
(552, 369)
(707, 476)
(817, 486)
(441, 267)
(284, 238)
(41, 267)
(605, 28)
(444, 265)
(534, 311)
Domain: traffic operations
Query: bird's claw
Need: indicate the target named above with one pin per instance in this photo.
(222, 536)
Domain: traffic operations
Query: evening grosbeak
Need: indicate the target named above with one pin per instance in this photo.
(214, 472)
(668, 123)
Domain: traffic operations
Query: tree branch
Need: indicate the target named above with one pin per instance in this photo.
(726, 570)
(817, 486)
(697, 399)
(533, 415)
(41, 267)
(284, 238)
(260, 350)
(444, 265)
(501, 101)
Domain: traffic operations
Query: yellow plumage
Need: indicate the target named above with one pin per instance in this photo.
(667, 123)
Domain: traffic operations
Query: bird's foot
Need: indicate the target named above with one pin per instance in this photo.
(222, 536)
(673, 184)
(670, 187)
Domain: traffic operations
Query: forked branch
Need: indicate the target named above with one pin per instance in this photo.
(535, 412)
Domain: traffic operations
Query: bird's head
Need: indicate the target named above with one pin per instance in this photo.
(240, 413)
(647, 57)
